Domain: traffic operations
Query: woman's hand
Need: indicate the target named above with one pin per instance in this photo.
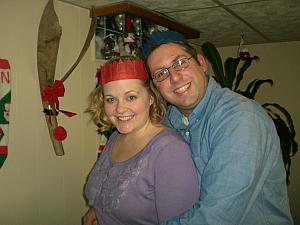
(90, 217)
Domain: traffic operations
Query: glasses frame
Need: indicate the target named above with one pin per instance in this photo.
(166, 71)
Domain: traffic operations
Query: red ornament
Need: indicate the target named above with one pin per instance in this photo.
(101, 148)
(50, 93)
(244, 55)
(59, 133)
(128, 24)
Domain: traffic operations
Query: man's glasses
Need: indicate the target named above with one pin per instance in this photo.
(179, 64)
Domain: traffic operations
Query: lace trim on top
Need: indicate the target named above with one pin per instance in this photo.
(109, 181)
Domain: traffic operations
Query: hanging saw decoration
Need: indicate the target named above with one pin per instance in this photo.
(49, 35)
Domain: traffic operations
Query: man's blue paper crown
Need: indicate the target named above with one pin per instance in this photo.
(161, 37)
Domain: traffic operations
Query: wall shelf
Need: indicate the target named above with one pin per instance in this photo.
(149, 15)
(122, 28)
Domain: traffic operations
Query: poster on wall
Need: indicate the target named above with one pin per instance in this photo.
(5, 97)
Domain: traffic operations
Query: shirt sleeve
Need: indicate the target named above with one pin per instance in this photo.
(235, 171)
(176, 183)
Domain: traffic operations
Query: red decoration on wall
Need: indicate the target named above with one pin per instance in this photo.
(59, 133)
(244, 55)
(5, 100)
(50, 94)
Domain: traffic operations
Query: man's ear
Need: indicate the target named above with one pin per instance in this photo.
(202, 62)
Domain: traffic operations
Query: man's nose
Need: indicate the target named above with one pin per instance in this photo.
(175, 75)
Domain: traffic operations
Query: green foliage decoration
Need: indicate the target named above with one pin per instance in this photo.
(107, 133)
(232, 74)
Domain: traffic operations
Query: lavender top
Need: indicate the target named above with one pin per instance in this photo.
(156, 184)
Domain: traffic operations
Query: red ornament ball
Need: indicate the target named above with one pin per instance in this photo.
(101, 148)
(128, 24)
(59, 133)
(244, 55)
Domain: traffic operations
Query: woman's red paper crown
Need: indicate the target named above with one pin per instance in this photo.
(123, 70)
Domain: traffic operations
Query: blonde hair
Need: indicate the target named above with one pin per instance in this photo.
(96, 106)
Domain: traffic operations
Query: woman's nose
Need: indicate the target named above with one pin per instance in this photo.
(121, 107)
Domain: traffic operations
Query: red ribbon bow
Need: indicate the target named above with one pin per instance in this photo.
(51, 94)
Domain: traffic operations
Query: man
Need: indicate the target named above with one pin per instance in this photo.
(234, 143)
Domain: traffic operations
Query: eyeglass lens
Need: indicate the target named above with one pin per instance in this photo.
(178, 65)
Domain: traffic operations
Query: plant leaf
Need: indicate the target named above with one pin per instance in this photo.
(231, 65)
(213, 56)
(242, 70)
(285, 143)
(108, 132)
(286, 133)
(253, 87)
(285, 113)
(247, 92)
(257, 85)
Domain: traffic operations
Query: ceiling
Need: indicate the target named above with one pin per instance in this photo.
(223, 21)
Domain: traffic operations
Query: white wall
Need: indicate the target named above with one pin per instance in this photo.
(36, 186)
(281, 63)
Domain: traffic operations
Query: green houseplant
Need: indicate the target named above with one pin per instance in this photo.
(232, 74)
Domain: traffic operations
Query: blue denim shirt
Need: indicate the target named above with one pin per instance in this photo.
(238, 158)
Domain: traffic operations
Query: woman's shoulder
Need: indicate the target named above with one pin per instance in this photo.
(168, 137)
(167, 132)
(167, 147)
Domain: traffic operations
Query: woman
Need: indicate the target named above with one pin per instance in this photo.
(145, 175)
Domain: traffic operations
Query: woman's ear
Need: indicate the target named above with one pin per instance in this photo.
(202, 62)
(151, 100)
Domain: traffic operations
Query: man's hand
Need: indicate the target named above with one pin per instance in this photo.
(90, 217)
